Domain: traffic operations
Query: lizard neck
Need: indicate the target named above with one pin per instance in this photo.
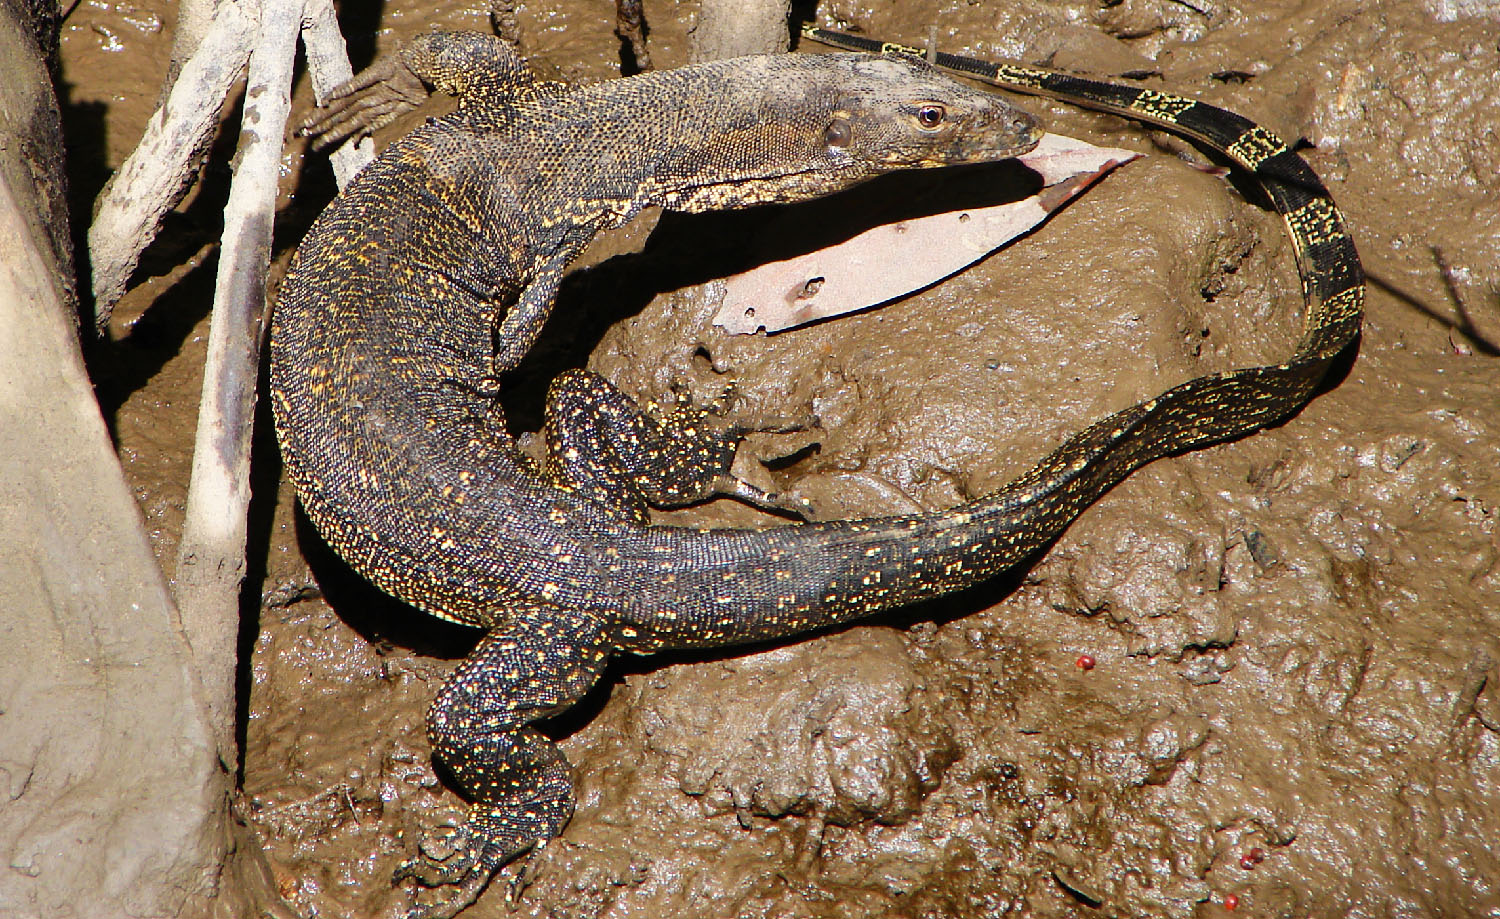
(720, 135)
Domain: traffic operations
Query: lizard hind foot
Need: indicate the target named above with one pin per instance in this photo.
(465, 859)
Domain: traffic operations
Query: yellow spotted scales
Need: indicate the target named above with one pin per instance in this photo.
(431, 274)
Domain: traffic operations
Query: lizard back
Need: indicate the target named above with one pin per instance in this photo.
(384, 375)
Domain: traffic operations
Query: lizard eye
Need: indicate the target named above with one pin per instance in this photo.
(931, 115)
(837, 133)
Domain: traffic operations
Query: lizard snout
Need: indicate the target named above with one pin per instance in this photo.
(1018, 129)
(1001, 132)
(1027, 128)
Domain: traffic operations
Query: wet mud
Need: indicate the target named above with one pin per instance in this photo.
(1262, 674)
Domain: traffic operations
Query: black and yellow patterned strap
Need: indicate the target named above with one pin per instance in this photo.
(1212, 408)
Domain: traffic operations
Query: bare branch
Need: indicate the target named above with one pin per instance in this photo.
(211, 558)
(153, 177)
(115, 804)
(730, 28)
(194, 18)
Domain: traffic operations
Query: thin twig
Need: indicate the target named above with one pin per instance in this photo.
(1202, 10)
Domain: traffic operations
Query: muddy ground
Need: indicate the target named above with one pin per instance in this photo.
(1295, 699)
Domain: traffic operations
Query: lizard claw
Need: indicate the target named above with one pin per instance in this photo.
(465, 859)
(371, 100)
(530, 869)
(441, 859)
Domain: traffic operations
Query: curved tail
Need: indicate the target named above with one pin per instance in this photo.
(780, 581)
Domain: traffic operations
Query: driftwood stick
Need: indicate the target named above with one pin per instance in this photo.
(211, 558)
(328, 66)
(154, 176)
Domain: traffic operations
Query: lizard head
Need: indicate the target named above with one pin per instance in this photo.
(790, 127)
(898, 112)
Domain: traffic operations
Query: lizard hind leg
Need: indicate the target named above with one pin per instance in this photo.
(601, 443)
(517, 780)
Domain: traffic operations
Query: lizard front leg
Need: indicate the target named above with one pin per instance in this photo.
(516, 330)
(480, 69)
(516, 779)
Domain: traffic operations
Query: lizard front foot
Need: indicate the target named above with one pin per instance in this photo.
(371, 100)
(482, 70)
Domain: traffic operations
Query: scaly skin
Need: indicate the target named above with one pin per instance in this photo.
(431, 275)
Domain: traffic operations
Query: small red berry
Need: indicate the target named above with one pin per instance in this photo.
(1247, 863)
(1231, 902)
(1257, 855)
(1085, 662)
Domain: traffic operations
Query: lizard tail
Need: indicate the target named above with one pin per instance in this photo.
(744, 586)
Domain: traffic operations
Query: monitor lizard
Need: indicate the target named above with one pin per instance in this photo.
(431, 274)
